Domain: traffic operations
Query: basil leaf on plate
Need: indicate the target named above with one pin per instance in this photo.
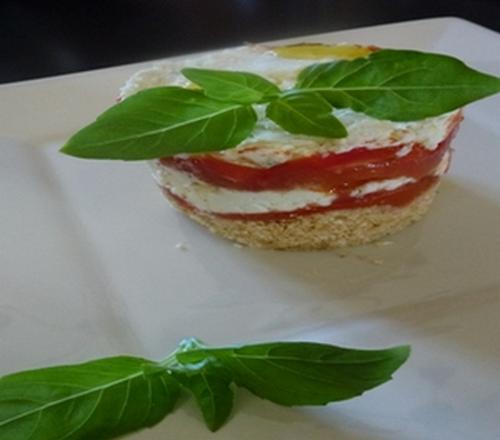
(304, 373)
(209, 382)
(100, 400)
(399, 85)
(306, 113)
(231, 86)
(163, 121)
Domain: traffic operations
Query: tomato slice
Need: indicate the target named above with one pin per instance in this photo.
(319, 172)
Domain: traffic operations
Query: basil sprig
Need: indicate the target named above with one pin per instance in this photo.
(398, 85)
(110, 397)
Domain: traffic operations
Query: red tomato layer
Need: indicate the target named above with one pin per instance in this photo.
(320, 172)
(398, 197)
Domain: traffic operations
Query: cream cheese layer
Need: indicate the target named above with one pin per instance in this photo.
(217, 200)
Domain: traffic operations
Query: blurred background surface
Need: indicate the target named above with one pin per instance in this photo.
(48, 38)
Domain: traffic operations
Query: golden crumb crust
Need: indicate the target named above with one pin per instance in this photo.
(326, 230)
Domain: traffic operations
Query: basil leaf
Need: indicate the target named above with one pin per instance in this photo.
(303, 373)
(209, 382)
(224, 85)
(305, 113)
(399, 85)
(160, 122)
(99, 400)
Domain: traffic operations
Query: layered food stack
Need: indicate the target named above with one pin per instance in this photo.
(290, 191)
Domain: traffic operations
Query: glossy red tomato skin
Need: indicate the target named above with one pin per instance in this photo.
(320, 172)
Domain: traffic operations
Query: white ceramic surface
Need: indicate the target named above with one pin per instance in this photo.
(89, 267)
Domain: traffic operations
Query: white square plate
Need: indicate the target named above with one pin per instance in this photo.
(89, 267)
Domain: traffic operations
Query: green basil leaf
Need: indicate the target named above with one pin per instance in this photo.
(305, 113)
(107, 398)
(160, 122)
(224, 85)
(209, 382)
(303, 373)
(399, 85)
(99, 400)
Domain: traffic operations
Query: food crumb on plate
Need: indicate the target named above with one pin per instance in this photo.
(181, 246)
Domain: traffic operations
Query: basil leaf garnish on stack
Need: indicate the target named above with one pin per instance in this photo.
(225, 85)
(306, 113)
(160, 122)
(396, 85)
(399, 85)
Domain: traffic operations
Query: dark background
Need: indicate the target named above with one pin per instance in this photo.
(48, 38)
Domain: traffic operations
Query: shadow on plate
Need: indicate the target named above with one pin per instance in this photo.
(428, 278)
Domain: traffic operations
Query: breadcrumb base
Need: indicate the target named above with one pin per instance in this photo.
(326, 230)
